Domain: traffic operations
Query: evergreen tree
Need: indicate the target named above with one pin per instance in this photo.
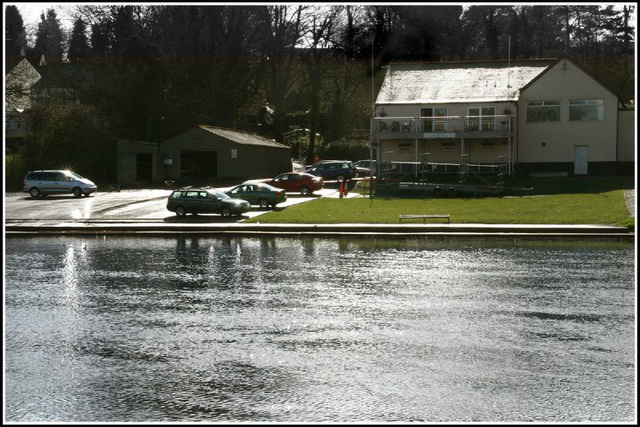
(79, 49)
(426, 34)
(132, 34)
(483, 27)
(15, 37)
(50, 38)
(100, 40)
(537, 32)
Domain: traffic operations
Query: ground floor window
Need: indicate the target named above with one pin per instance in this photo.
(487, 145)
(449, 146)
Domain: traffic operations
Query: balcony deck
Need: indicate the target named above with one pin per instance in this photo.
(449, 127)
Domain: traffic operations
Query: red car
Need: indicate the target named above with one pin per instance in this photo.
(302, 182)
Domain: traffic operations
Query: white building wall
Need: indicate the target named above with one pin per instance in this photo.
(627, 136)
(543, 142)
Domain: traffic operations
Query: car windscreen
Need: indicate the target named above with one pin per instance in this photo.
(73, 175)
(267, 187)
(220, 195)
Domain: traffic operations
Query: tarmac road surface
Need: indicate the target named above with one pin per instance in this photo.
(125, 205)
(144, 211)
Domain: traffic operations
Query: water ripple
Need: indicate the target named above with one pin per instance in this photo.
(207, 329)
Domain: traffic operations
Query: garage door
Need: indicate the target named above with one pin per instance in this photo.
(198, 164)
(144, 167)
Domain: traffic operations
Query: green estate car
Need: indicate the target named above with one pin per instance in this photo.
(264, 195)
(195, 201)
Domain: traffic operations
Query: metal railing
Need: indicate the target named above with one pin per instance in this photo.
(442, 124)
(391, 168)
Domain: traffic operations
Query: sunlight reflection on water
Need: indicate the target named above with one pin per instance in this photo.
(318, 330)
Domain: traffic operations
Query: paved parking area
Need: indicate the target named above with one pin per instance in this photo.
(144, 211)
(125, 205)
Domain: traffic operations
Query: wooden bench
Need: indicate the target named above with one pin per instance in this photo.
(423, 217)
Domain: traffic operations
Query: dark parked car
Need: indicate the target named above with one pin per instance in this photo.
(295, 182)
(196, 200)
(366, 164)
(333, 170)
(260, 194)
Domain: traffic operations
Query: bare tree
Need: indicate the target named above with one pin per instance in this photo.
(317, 62)
(282, 27)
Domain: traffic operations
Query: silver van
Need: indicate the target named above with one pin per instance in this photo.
(42, 182)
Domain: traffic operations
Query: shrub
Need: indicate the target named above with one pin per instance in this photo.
(15, 171)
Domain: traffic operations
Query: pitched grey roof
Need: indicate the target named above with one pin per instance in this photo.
(432, 83)
(65, 76)
(244, 138)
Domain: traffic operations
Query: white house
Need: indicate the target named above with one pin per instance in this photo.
(19, 79)
(528, 116)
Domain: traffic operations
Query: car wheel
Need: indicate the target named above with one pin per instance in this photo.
(77, 192)
(35, 192)
(304, 191)
(225, 212)
(452, 192)
(181, 211)
(438, 191)
(264, 203)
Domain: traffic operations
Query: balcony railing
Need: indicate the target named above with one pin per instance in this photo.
(445, 126)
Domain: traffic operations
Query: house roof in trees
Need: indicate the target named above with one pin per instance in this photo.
(62, 76)
(18, 80)
(244, 138)
(455, 82)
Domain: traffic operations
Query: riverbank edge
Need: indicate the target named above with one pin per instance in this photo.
(536, 231)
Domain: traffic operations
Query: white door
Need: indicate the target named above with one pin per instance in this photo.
(581, 161)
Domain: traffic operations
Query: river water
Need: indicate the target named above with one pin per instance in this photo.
(293, 329)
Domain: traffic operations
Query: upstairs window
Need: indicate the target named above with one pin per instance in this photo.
(543, 111)
(481, 119)
(586, 110)
(434, 119)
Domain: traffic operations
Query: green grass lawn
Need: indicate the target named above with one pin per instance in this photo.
(601, 205)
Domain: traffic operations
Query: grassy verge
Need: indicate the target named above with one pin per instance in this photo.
(604, 207)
